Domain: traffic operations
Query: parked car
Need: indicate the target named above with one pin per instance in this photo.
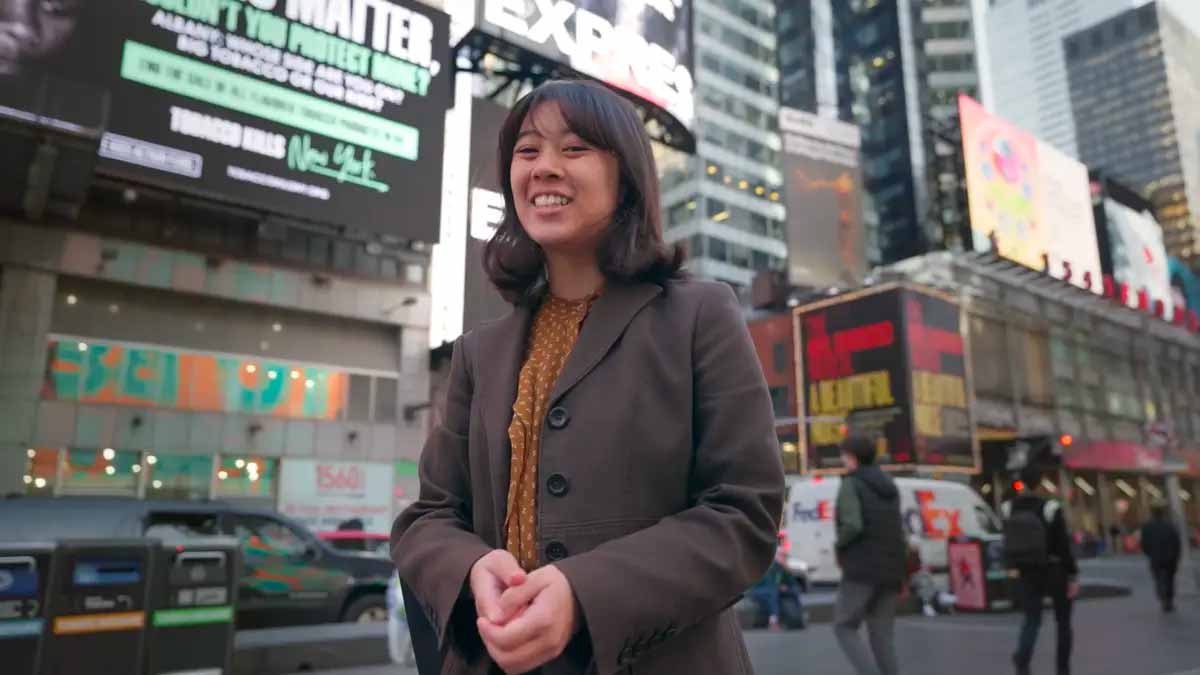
(289, 576)
(358, 541)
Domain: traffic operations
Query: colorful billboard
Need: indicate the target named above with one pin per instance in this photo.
(1028, 201)
(643, 47)
(100, 372)
(324, 110)
(888, 363)
(826, 239)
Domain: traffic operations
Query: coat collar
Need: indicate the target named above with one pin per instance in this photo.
(500, 351)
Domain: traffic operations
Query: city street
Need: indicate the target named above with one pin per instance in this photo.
(1121, 636)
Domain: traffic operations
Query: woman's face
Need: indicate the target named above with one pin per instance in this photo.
(564, 188)
(32, 30)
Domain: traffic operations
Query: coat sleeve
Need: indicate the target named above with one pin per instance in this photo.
(848, 514)
(641, 589)
(433, 544)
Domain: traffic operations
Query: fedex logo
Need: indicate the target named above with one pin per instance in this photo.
(821, 512)
(931, 521)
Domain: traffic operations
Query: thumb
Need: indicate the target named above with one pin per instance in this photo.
(506, 569)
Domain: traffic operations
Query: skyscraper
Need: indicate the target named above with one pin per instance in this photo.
(1135, 89)
(899, 66)
(725, 201)
(1028, 68)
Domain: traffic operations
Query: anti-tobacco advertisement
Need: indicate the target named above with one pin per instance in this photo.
(325, 109)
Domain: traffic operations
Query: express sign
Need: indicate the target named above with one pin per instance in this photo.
(640, 46)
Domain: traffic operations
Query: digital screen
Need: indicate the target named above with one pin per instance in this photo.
(485, 210)
(330, 110)
(1139, 258)
(643, 47)
(854, 378)
(889, 365)
(937, 361)
(1029, 201)
(823, 184)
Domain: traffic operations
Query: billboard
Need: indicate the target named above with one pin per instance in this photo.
(823, 183)
(485, 210)
(643, 47)
(888, 362)
(1139, 258)
(1029, 201)
(321, 109)
(323, 494)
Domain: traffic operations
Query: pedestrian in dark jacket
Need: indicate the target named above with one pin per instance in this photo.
(1161, 543)
(1046, 569)
(872, 553)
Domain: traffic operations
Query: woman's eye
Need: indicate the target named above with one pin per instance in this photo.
(526, 151)
(577, 148)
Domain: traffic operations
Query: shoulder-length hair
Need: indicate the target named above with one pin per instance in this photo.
(631, 248)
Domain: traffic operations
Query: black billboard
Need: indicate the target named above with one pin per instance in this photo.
(331, 110)
(643, 47)
(485, 209)
(888, 364)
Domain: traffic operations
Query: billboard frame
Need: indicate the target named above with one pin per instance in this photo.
(534, 68)
(802, 395)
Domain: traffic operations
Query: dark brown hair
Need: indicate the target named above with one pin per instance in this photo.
(632, 247)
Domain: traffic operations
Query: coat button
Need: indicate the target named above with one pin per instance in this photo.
(555, 551)
(557, 484)
(558, 417)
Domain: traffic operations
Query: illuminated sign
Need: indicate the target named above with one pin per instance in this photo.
(640, 46)
(1029, 202)
(888, 363)
(330, 110)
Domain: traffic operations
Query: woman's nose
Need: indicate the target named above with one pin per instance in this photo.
(547, 167)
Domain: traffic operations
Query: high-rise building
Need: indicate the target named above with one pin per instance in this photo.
(726, 201)
(897, 69)
(1135, 90)
(1028, 68)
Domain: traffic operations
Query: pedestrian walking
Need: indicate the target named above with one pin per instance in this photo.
(1038, 545)
(872, 552)
(1162, 545)
(606, 480)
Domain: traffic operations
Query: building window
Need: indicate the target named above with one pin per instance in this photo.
(246, 477)
(385, 400)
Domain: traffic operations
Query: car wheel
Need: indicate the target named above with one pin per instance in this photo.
(367, 609)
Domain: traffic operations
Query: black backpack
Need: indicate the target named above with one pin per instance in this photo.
(1026, 537)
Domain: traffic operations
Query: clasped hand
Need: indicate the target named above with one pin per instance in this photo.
(525, 620)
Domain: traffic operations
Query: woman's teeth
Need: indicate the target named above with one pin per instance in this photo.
(550, 200)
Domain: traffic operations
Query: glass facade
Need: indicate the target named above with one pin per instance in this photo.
(725, 204)
(1126, 118)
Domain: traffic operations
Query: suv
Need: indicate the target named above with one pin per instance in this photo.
(289, 576)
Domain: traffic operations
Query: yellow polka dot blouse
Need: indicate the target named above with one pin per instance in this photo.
(551, 339)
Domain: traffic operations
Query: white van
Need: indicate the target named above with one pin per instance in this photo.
(933, 511)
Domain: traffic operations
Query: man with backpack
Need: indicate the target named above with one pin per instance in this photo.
(1037, 543)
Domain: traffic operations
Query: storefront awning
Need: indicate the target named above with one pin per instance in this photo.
(1114, 456)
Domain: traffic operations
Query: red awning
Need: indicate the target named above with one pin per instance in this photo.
(1114, 456)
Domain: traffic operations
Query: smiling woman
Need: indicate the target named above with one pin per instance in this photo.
(583, 151)
(606, 478)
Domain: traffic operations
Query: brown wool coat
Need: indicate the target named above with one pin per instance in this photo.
(661, 486)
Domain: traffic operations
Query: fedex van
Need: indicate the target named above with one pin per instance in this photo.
(932, 512)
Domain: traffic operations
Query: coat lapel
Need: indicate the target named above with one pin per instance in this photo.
(606, 321)
(501, 349)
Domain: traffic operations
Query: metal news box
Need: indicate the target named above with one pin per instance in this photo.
(24, 577)
(193, 602)
(96, 606)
